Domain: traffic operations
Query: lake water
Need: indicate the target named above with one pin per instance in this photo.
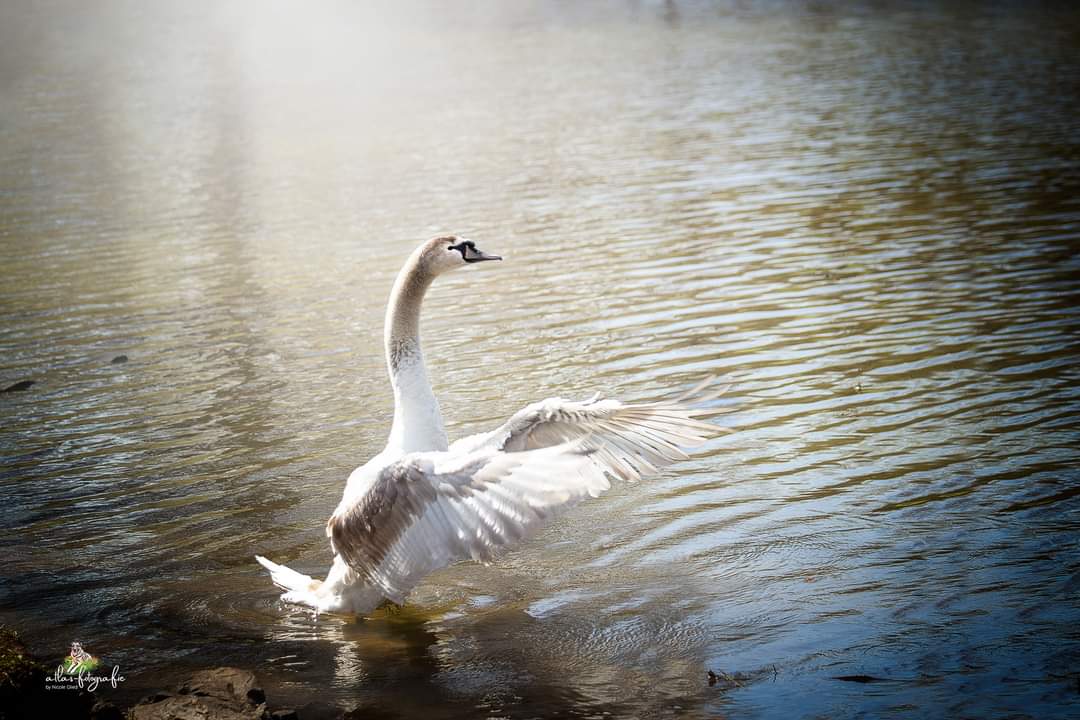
(864, 216)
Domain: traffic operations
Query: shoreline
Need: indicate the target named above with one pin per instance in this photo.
(29, 688)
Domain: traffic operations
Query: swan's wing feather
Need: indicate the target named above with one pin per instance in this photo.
(627, 440)
(431, 509)
(490, 491)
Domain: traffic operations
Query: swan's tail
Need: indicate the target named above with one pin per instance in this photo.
(288, 579)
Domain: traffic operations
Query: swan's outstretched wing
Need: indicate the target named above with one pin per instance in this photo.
(431, 509)
(627, 440)
(487, 492)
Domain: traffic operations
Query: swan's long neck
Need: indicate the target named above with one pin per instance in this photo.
(418, 424)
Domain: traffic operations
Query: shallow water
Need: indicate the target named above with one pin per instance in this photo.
(866, 218)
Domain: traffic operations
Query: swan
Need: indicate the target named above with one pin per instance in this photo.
(421, 504)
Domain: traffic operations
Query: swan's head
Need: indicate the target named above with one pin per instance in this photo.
(446, 253)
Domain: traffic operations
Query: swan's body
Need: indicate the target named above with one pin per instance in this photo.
(420, 504)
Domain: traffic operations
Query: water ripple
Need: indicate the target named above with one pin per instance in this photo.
(865, 219)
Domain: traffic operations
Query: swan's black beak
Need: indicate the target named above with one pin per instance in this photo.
(468, 251)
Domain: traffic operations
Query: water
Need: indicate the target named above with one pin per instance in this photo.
(867, 217)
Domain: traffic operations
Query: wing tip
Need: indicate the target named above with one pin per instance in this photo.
(704, 391)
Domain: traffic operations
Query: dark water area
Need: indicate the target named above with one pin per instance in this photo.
(865, 216)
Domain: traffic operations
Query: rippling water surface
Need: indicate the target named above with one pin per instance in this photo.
(865, 216)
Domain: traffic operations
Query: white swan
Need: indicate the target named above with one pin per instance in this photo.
(420, 505)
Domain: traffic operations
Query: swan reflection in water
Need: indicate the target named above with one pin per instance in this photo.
(422, 504)
(497, 656)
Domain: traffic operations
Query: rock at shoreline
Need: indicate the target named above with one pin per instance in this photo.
(220, 694)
